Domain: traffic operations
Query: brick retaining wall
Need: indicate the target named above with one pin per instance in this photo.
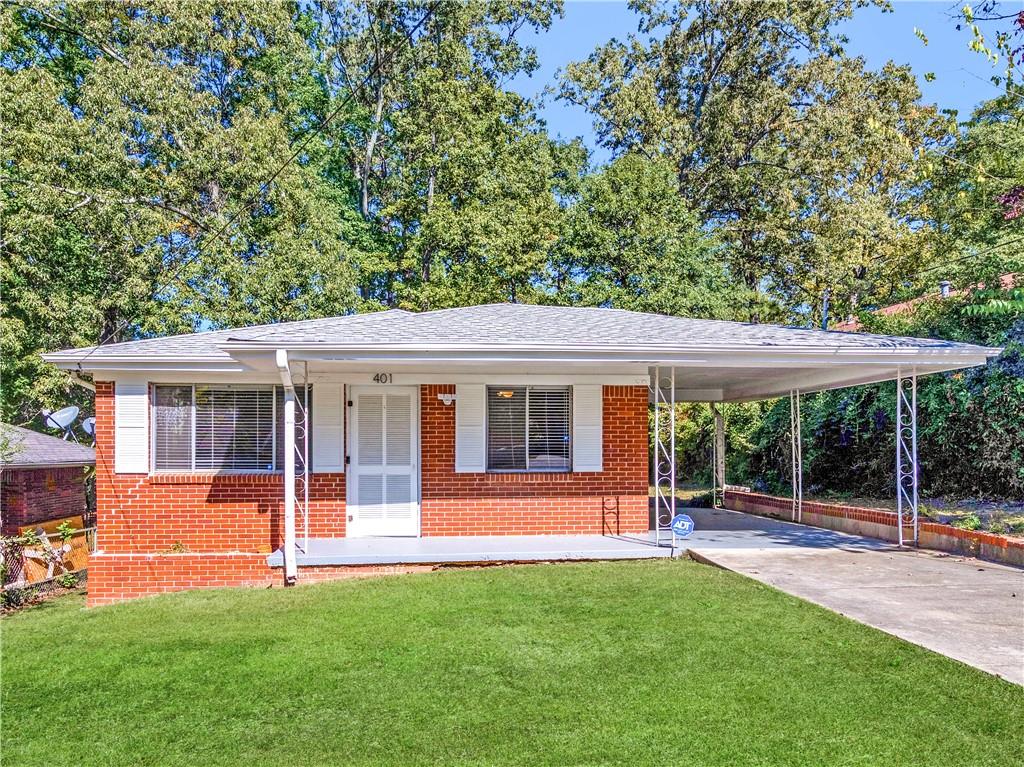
(882, 524)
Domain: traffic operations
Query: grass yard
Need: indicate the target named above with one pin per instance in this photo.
(657, 662)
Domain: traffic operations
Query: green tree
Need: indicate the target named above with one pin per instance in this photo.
(630, 241)
(801, 158)
(448, 164)
(134, 133)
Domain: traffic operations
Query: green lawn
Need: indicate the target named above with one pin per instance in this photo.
(605, 663)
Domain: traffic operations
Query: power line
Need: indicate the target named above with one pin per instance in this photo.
(307, 136)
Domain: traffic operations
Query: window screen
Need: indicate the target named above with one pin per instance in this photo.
(222, 428)
(528, 428)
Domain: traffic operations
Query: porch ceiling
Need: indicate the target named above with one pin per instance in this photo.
(734, 384)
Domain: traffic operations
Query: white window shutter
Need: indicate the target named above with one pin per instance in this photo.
(131, 427)
(470, 441)
(587, 428)
(328, 433)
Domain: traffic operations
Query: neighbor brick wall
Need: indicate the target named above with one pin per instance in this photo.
(530, 504)
(31, 496)
(171, 532)
(880, 523)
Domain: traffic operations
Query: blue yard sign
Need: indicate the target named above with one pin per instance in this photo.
(682, 526)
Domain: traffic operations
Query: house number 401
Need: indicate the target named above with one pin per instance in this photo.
(384, 378)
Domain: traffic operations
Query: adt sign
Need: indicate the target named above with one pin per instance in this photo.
(682, 526)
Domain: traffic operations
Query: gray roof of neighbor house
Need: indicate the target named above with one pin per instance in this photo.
(510, 326)
(24, 448)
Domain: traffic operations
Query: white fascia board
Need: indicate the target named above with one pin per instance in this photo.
(681, 356)
(146, 363)
(738, 356)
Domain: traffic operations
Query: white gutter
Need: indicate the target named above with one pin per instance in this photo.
(290, 569)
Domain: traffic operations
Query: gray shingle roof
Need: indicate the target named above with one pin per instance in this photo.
(24, 447)
(517, 324)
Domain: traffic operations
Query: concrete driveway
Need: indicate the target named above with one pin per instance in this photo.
(967, 609)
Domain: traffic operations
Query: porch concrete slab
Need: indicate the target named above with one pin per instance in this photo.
(484, 548)
(967, 609)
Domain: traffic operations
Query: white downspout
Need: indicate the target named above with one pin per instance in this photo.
(290, 570)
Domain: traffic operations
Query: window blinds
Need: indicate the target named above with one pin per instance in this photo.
(220, 428)
(528, 428)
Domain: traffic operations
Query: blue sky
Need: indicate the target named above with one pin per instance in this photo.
(961, 75)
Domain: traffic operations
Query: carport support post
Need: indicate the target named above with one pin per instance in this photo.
(797, 453)
(906, 457)
(719, 451)
(664, 390)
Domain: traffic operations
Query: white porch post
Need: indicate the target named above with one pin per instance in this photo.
(719, 451)
(797, 452)
(290, 572)
(906, 457)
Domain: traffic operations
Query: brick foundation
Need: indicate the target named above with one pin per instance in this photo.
(882, 524)
(119, 577)
(170, 532)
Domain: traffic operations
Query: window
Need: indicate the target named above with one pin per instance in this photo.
(220, 428)
(528, 428)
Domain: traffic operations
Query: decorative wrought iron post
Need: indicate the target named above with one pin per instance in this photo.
(906, 458)
(797, 454)
(302, 427)
(664, 389)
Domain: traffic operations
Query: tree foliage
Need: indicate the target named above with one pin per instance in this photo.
(801, 158)
(629, 240)
(134, 133)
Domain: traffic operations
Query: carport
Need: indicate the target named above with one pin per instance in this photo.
(790, 362)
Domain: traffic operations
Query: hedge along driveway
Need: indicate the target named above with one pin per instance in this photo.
(655, 662)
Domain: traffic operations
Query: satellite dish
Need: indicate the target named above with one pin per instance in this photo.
(62, 420)
(89, 427)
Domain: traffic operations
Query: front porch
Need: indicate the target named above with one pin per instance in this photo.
(716, 529)
(471, 549)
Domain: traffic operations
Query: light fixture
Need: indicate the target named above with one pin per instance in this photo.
(446, 399)
(506, 393)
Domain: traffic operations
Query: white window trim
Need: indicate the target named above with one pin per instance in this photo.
(192, 470)
(487, 430)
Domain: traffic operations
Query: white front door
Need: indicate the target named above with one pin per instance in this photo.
(383, 480)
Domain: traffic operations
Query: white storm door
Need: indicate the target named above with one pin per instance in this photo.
(384, 488)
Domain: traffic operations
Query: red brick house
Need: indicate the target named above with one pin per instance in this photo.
(43, 478)
(343, 446)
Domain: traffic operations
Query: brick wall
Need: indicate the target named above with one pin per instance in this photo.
(882, 524)
(170, 532)
(31, 496)
(529, 504)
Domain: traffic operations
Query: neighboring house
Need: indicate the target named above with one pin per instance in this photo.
(43, 478)
(498, 420)
(851, 323)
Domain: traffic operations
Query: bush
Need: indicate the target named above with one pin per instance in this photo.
(970, 422)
